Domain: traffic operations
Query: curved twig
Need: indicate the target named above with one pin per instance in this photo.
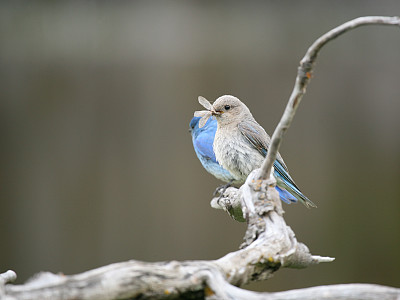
(304, 75)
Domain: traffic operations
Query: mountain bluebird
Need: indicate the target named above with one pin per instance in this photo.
(240, 146)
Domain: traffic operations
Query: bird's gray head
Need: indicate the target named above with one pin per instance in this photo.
(230, 110)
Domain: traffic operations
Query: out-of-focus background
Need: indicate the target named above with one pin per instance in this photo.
(96, 161)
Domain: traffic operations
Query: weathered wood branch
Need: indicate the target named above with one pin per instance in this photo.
(128, 280)
(326, 292)
(7, 277)
(269, 243)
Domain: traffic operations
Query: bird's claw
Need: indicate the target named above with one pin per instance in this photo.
(221, 189)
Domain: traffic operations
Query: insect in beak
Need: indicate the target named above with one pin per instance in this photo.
(216, 112)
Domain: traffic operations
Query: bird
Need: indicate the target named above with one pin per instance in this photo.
(239, 146)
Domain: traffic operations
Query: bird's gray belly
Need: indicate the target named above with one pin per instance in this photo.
(238, 157)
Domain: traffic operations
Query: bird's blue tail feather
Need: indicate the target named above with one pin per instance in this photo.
(285, 195)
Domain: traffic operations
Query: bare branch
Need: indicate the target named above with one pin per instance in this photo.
(269, 245)
(173, 280)
(327, 292)
(303, 77)
(7, 277)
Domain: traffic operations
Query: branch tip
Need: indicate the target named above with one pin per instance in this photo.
(322, 259)
(7, 277)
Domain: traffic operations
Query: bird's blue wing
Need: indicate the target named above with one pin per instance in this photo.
(203, 144)
(260, 140)
(285, 196)
(287, 184)
(256, 135)
(283, 173)
(288, 190)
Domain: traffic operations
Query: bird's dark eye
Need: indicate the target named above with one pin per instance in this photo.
(227, 107)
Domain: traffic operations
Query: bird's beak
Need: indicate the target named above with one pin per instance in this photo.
(216, 112)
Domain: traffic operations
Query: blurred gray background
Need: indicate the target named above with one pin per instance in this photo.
(96, 162)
